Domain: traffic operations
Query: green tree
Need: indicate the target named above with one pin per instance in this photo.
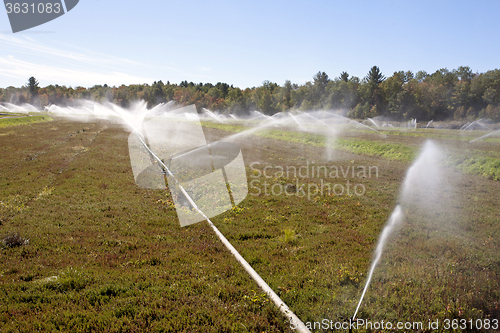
(375, 76)
(344, 76)
(391, 88)
(265, 97)
(318, 100)
(342, 95)
(265, 103)
(223, 88)
(321, 80)
(421, 76)
(286, 96)
(235, 101)
(32, 85)
(371, 93)
(464, 73)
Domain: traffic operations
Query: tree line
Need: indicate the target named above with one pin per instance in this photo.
(442, 95)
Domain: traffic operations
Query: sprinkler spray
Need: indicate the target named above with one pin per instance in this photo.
(300, 327)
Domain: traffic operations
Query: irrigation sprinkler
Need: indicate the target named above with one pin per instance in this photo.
(386, 232)
(423, 177)
(199, 170)
(475, 124)
(373, 122)
(345, 119)
(485, 136)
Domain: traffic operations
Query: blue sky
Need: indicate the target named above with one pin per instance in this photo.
(246, 42)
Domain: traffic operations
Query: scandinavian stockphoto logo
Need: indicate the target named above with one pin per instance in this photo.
(212, 175)
(26, 14)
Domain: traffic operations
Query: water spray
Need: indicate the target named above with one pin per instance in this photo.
(476, 122)
(345, 119)
(393, 221)
(373, 122)
(212, 115)
(421, 179)
(300, 327)
(485, 136)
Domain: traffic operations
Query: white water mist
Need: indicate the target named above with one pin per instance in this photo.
(420, 187)
(393, 221)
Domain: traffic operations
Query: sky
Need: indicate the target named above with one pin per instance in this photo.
(246, 42)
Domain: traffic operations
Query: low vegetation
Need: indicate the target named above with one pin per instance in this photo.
(14, 239)
(106, 255)
(22, 120)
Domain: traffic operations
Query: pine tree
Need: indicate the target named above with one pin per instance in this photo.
(375, 76)
(344, 76)
(32, 85)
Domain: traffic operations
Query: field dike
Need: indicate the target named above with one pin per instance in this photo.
(485, 166)
(27, 120)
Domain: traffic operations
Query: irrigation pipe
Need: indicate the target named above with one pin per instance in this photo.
(349, 120)
(300, 327)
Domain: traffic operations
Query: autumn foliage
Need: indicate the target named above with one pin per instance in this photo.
(445, 94)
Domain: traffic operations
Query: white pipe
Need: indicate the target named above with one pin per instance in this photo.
(301, 328)
(484, 136)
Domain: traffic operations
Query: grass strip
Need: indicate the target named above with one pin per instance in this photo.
(390, 151)
(484, 166)
(7, 122)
